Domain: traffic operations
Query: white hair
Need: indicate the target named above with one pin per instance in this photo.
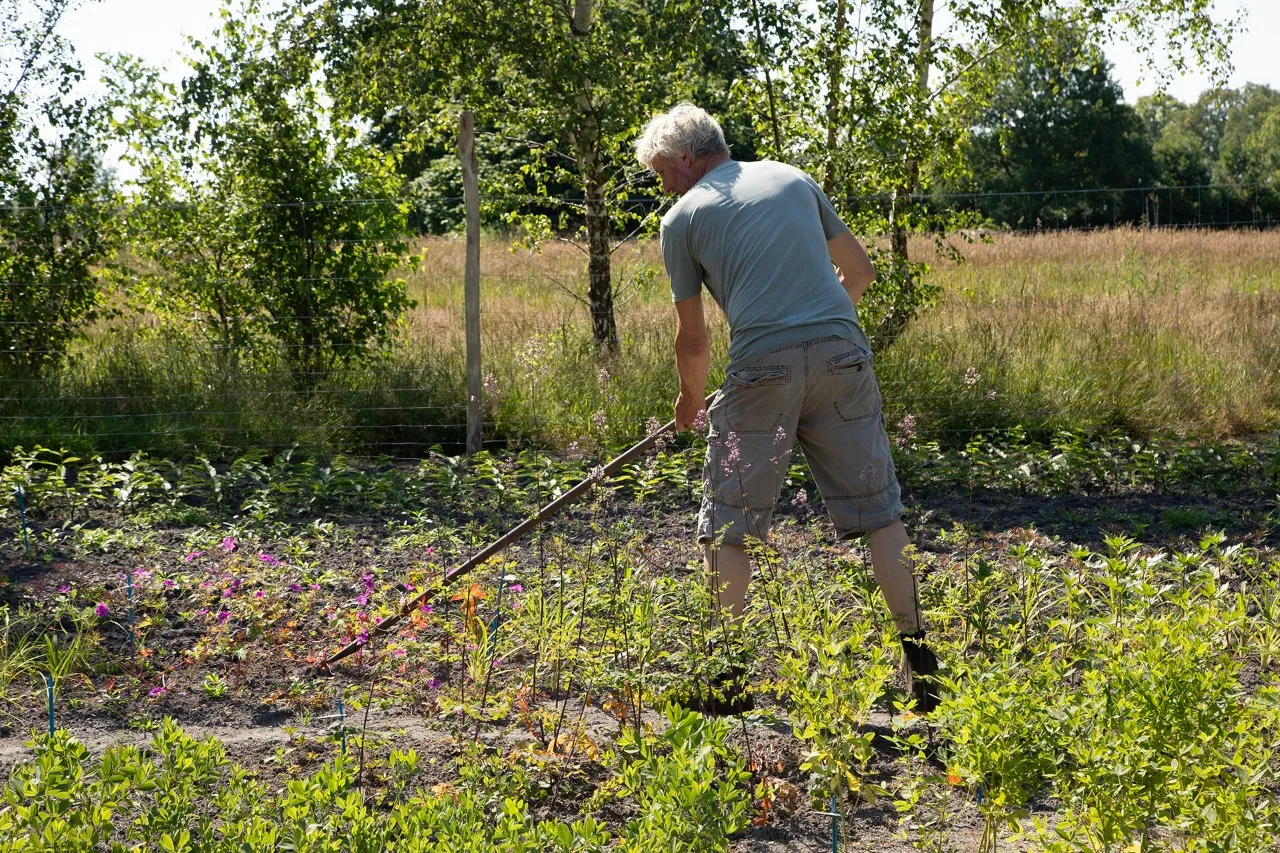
(684, 128)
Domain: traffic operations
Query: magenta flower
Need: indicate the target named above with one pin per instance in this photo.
(400, 653)
(427, 608)
(169, 584)
(193, 556)
(64, 589)
(315, 586)
(362, 599)
(229, 544)
(295, 587)
(157, 691)
(259, 594)
(409, 587)
(515, 587)
(431, 549)
(269, 560)
(362, 637)
(102, 610)
(223, 616)
(433, 684)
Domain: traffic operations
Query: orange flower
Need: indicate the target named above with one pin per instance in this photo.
(470, 599)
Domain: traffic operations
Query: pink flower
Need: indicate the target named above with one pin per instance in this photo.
(362, 638)
(102, 610)
(64, 589)
(427, 608)
(194, 555)
(269, 560)
(229, 544)
(431, 549)
(157, 691)
(258, 594)
(801, 499)
(315, 586)
(409, 587)
(599, 420)
(362, 599)
(169, 584)
(142, 575)
(399, 653)
(515, 587)
(700, 420)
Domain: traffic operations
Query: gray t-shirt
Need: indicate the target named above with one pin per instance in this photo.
(756, 234)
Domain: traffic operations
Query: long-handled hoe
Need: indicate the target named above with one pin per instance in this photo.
(549, 511)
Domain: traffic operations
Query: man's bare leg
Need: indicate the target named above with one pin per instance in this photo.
(895, 577)
(897, 582)
(729, 573)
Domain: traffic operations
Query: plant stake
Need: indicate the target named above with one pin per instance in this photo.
(133, 652)
(48, 678)
(22, 514)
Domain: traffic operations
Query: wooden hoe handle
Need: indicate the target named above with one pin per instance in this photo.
(549, 511)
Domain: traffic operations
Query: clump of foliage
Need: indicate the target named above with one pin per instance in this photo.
(267, 222)
(57, 214)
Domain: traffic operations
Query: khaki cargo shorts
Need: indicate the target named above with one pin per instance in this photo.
(823, 394)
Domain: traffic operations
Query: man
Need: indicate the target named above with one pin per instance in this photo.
(762, 237)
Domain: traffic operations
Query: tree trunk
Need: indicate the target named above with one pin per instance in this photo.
(586, 142)
(599, 235)
(768, 81)
(901, 202)
(835, 80)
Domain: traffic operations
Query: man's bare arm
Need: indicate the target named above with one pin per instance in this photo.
(856, 271)
(693, 360)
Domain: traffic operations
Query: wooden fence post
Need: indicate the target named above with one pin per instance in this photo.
(471, 282)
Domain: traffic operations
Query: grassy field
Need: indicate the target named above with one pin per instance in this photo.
(1146, 332)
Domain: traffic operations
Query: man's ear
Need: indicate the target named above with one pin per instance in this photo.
(686, 158)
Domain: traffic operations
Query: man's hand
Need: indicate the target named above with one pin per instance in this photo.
(688, 407)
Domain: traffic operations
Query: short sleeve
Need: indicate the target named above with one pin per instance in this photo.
(682, 268)
(832, 225)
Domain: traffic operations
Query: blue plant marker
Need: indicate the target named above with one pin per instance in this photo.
(129, 582)
(342, 728)
(979, 793)
(835, 826)
(496, 622)
(48, 678)
(22, 514)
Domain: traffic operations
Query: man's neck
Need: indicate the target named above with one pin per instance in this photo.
(710, 163)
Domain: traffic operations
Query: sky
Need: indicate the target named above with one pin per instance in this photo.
(154, 30)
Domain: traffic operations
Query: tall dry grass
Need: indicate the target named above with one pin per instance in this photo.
(1145, 331)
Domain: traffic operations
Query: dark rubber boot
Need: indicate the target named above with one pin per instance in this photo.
(922, 667)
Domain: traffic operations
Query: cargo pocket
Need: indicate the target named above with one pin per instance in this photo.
(755, 398)
(857, 395)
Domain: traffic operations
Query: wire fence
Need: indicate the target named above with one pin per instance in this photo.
(177, 351)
